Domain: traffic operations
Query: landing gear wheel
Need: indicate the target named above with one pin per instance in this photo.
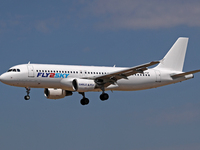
(84, 101)
(27, 97)
(104, 96)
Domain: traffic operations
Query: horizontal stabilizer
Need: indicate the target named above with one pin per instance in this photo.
(185, 73)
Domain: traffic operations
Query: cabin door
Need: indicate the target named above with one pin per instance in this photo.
(30, 71)
(158, 76)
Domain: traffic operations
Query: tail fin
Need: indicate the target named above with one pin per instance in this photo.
(174, 59)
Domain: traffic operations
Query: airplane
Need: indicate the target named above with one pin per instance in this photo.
(59, 81)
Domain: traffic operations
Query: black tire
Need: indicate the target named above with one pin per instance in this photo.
(27, 97)
(104, 96)
(84, 101)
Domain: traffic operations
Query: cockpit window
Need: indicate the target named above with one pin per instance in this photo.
(13, 70)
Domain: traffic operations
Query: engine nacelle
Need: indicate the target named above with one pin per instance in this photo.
(83, 85)
(66, 84)
(56, 93)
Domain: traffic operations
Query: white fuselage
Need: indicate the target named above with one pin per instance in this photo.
(59, 81)
(52, 76)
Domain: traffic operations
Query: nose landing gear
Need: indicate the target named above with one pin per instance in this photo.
(27, 97)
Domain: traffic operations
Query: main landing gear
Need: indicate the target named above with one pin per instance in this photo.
(27, 97)
(104, 96)
(85, 101)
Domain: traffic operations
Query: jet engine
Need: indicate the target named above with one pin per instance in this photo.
(66, 84)
(83, 85)
(56, 93)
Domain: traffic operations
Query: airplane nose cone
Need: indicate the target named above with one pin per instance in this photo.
(6, 79)
(3, 78)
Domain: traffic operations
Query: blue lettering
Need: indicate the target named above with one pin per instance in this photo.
(57, 75)
(62, 75)
(39, 74)
(83, 84)
(47, 74)
(66, 75)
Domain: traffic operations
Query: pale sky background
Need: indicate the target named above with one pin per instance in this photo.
(103, 33)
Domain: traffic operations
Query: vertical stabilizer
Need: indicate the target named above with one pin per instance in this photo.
(174, 59)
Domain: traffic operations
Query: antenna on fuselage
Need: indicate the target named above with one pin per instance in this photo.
(29, 62)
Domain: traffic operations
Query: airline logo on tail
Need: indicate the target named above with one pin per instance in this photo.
(52, 75)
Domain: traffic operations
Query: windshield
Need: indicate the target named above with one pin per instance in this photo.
(13, 70)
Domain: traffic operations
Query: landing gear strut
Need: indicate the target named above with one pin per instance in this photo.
(104, 96)
(27, 97)
(84, 100)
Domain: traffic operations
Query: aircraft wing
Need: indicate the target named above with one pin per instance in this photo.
(112, 77)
